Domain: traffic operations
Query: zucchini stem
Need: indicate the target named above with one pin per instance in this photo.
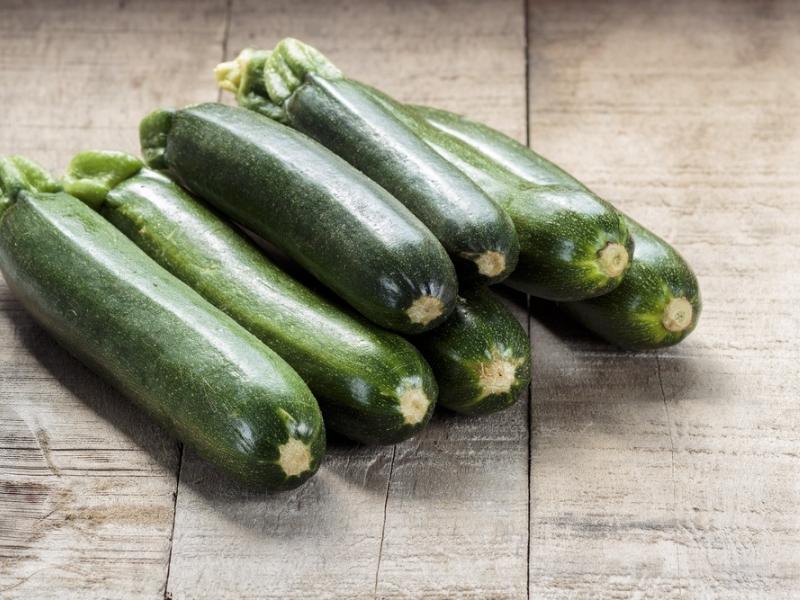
(244, 77)
(263, 80)
(288, 65)
(424, 310)
(496, 376)
(294, 457)
(153, 132)
(677, 315)
(414, 404)
(491, 263)
(613, 259)
(18, 174)
(92, 175)
(229, 73)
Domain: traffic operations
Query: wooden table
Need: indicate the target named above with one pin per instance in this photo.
(657, 475)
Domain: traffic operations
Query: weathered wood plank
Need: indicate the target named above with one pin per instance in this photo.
(440, 516)
(81, 75)
(87, 482)
(675, 474)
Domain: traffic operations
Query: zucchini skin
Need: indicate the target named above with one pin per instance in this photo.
(192, 368)
(499, 148)
(343, 228)
(341, 116)
(659, 287)
(373, 386)
(481, 355)
(563, 232)
(297, 85)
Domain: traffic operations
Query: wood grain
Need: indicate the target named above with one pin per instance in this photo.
(675, 474)
(87, 482)
(445, 513)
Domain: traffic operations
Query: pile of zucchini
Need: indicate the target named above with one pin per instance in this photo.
(389, 221)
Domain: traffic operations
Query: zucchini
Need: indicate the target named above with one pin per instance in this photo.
(372, 385)
(343, 228)
(481, 355)
(295, 84)
(573, 244)
(190, 366)
(658, 302)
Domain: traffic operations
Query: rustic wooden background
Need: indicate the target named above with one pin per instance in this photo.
(657, 475)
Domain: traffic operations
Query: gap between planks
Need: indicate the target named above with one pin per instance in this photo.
(226, 30)
(385, 510)
(668, 417)
(529, 419)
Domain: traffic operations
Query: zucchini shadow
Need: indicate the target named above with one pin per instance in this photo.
(572, 364)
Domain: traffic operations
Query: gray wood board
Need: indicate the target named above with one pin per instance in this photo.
(669, 474)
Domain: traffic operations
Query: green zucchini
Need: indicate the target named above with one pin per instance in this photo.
(190, 366)
(481, 355)
(514, 157)
(343, 228)
(372, 385)
(658, 302)
(573, 244)
(295, 84)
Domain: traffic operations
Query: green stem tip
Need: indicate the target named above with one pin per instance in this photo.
(263, 80)
(289, 64)
(153, 133)
(239, 74)
(92, 174)
(18, 174)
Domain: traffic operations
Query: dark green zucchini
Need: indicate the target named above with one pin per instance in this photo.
(573, 245)
(514, 157)
(343, 228)
(190, 366)
(658, 302)
(372, 385)
(481, 355)
(297, 85)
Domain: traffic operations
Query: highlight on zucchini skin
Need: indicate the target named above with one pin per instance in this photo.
(188, 365)
(573, 244)
(335, 222)
(372, 385)
(658, 303)
(481, 355)
(295, 84)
